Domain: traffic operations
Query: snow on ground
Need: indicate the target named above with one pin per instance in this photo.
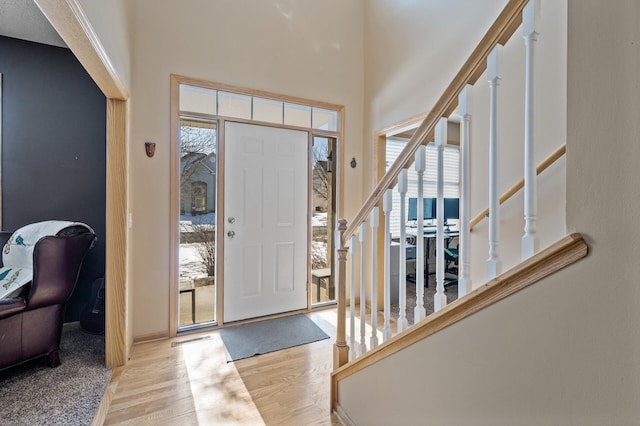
(318, 255)
(319, 219)
(191, 264)
(188, 221)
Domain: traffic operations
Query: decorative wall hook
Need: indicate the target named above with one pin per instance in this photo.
(150, 148)
(353, 163)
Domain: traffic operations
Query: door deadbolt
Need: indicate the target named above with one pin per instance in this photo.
(231, 219)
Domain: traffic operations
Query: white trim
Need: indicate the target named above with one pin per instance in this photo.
(62, 18)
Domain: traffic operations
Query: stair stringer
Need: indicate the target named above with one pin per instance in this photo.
(484, 359)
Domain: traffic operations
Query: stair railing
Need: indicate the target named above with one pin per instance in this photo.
(486, 56)
(544, 165)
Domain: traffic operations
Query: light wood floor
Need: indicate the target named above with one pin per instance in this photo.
(192, 384)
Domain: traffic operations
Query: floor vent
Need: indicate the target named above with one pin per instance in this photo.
(182, 342)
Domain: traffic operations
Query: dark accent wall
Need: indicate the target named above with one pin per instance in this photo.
(53, 148)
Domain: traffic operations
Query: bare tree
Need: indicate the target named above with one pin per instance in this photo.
(206, 246)
(319, 171)
(195, 139)
(196, 143)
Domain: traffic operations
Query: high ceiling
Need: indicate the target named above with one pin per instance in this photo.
(22, 19)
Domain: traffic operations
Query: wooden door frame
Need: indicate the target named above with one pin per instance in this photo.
(175, 81)
(71, 23)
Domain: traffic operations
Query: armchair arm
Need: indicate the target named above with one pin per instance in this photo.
(56, 266)
(11, 306)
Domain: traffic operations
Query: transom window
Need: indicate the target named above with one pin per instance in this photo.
(204, 100)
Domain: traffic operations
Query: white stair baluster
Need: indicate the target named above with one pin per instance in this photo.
(402, 258)
(494, 75)
(352, 298)
(464, 253)
(530, 18)
(440, 298)
(419, 311)
(363, 290)
(387, 203)
(374, 222)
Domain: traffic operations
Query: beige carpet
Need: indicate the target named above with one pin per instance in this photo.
(36, 394)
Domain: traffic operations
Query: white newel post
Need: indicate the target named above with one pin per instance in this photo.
(440, 298)
(464, 254)
(363, 290)
(402, 274)
(374, 222)
(387, 203)
(530, 18)
(352, 298)
(494, 75)
(419, 312)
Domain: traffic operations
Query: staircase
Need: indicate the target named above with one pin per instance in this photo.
(392, 361)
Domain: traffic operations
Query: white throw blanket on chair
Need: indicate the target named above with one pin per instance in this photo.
(17, 254)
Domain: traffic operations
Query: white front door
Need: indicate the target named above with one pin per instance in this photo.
(265, 207)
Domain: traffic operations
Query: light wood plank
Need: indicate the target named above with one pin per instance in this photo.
(101, 413)
(340, 349)
(118, 336)
(559, 255)
(193, 384)
(174, 202)
(544, 164)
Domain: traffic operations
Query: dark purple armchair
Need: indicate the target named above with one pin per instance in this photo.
(31, 324)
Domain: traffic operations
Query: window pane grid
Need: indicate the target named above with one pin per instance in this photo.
(297, 115)
(198, 99)
(203, 100)
(267, 110)
(234, 105)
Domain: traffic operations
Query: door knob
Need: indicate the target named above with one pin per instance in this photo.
(231, 219)
(231, 234)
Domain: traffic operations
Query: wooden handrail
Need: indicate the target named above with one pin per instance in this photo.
(561, 254)
(552, 158)
(499, 33)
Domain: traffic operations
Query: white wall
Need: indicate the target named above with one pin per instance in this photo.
(304, 48)
(413, 51)
(111, 20)
(549, 133)
(564, 351)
